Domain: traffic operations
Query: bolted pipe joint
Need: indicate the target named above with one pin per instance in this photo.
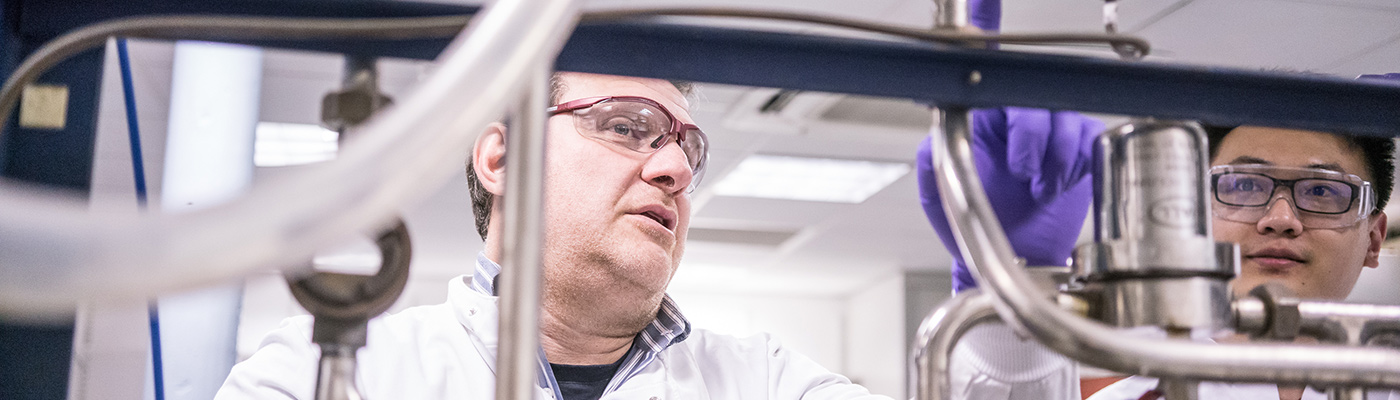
(1281, 319)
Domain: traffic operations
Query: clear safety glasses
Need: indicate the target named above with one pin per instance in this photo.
(639, 124)
(1321, 198)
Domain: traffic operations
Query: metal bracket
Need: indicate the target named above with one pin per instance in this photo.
(343, 304)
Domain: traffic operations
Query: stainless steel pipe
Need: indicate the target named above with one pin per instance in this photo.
(523, 243)
(1351, 324)
(950, 14)
(988, 253)
(335, 378)
(938, 334)
(1341, 323)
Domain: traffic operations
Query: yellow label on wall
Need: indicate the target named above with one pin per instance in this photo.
(43, 107)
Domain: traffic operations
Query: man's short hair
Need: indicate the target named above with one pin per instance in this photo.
(482, 199)
(1378, 154)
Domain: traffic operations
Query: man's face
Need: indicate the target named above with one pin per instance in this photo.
(616, 218)
(1315, 263)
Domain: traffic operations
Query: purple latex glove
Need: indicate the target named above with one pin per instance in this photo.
(1034, 165)
(985, 14)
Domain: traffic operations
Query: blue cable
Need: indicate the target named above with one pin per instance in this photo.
(139, 171)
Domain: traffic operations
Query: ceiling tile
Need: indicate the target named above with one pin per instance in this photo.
(1375, 5)
(1269, 34)
(769, 211)
(1384, 57)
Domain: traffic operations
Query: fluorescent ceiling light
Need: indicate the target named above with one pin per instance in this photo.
(281, 144)
(809, 179)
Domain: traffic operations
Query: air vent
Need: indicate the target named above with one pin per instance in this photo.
(778, 102)
(879, 111)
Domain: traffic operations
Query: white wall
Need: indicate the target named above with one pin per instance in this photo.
(875, 342)
(1377, 285)
(811, 325)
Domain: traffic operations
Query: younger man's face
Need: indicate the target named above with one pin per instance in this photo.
(1315, 263)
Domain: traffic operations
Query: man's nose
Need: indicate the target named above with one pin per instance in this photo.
(1280, 216)
(668, 168)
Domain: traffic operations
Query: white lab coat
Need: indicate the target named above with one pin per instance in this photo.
(992, 363)
(441, 352)
(1133, 387)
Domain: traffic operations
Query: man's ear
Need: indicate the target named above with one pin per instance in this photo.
(1377, 236)
(489, 158)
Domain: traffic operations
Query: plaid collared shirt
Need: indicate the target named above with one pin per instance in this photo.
(669, 327)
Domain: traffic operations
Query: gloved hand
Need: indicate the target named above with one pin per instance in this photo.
(985, 14)
(1034, 165)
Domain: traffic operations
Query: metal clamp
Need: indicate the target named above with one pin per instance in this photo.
(358, 100)
(342, 305)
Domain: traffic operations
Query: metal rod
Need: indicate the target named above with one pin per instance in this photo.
(1172, 389)
(1179, 389)
(940, 331)
(1349, 393)
(524, 242)
(1316, 310)
(1342, 323)
(335, 379)
(951, 14)
(989, 255)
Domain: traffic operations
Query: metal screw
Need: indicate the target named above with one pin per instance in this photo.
(974, 78)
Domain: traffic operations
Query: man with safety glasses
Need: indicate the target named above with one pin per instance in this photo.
(1305, 209)
(1304, 206)
(623, 156)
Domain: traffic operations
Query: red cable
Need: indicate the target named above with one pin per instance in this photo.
(1151, 395)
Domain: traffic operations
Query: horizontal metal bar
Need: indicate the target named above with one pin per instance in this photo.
(49, 18)
(925, 72)
(942, 75)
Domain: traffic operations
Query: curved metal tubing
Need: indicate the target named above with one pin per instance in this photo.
(984, 245)
(938, 334)
(54, 253)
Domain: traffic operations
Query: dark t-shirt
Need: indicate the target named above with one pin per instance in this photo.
(584, 382)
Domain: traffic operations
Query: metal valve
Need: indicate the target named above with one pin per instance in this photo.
(1154, 262)
(343, 304)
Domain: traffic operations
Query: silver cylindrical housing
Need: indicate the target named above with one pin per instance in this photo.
(1178, 303)
(1151, 182)
(1154, 261)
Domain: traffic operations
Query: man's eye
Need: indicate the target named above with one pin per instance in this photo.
(625, 127)
(1247, 186)
(1321, 191)
(621, 129)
